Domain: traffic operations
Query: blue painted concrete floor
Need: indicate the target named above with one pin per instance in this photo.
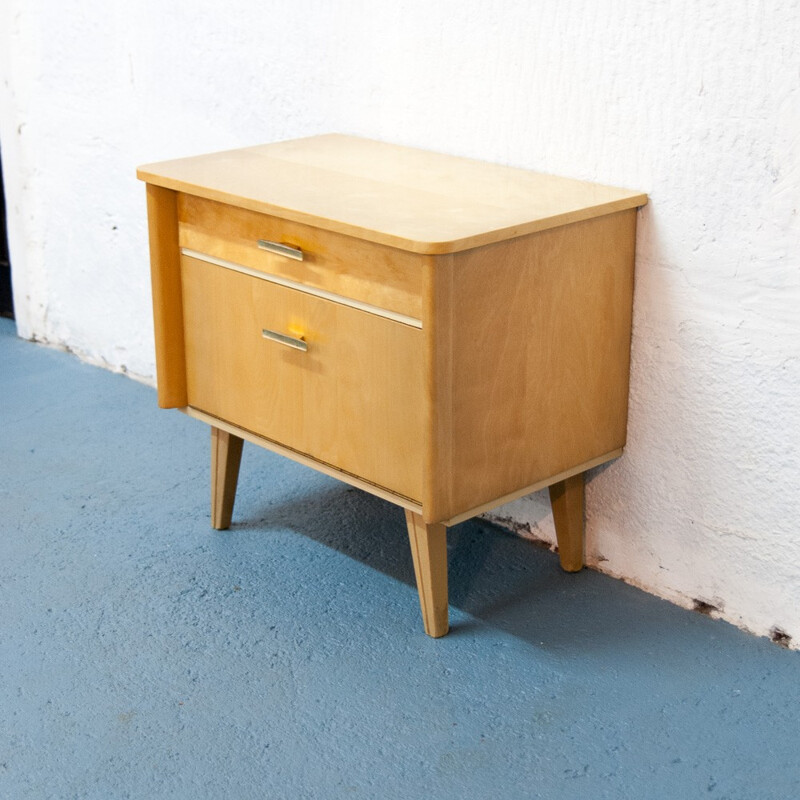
(144, 656)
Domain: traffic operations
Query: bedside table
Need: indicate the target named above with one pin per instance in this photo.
(443, 333)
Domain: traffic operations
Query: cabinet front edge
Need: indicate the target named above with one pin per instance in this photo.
(384, 237)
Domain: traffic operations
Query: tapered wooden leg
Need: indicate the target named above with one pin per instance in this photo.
(226, 455)
(429, 551)
(566, 499)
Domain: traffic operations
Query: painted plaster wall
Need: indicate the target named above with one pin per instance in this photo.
(696, 103)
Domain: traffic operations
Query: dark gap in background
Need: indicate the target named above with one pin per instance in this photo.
(6, 300)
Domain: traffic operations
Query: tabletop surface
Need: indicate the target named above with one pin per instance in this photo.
(399, 196)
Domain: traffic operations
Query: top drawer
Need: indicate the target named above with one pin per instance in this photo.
(364, 271)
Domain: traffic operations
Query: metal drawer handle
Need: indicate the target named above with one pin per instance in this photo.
(282, 338)
(281, 249)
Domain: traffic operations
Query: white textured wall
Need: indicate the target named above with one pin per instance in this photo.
(697, 103)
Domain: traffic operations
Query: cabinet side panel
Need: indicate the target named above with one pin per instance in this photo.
(165, 273)
(541, 330)
(437, 327)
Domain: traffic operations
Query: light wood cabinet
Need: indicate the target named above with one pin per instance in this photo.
(446, 334)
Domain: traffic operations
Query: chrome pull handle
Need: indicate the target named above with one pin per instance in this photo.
(281, 249)
(282, 338)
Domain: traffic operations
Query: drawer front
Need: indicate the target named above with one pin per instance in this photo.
(364, 271)
(353, 399)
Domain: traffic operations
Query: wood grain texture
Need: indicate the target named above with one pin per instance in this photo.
(533, 487)
(353, 401)
(165, 278)
(566, 500)
(397, 196)
(439, 400)
(532, 378)
(517, 379)
(302, 458)
(365, 271)
(429, 553)
(226, 455)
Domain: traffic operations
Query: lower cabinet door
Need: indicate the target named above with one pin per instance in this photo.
(336, 383)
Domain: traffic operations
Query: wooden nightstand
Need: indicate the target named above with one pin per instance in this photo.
(446, 334)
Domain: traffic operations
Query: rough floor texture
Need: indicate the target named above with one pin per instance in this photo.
(143, 656)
